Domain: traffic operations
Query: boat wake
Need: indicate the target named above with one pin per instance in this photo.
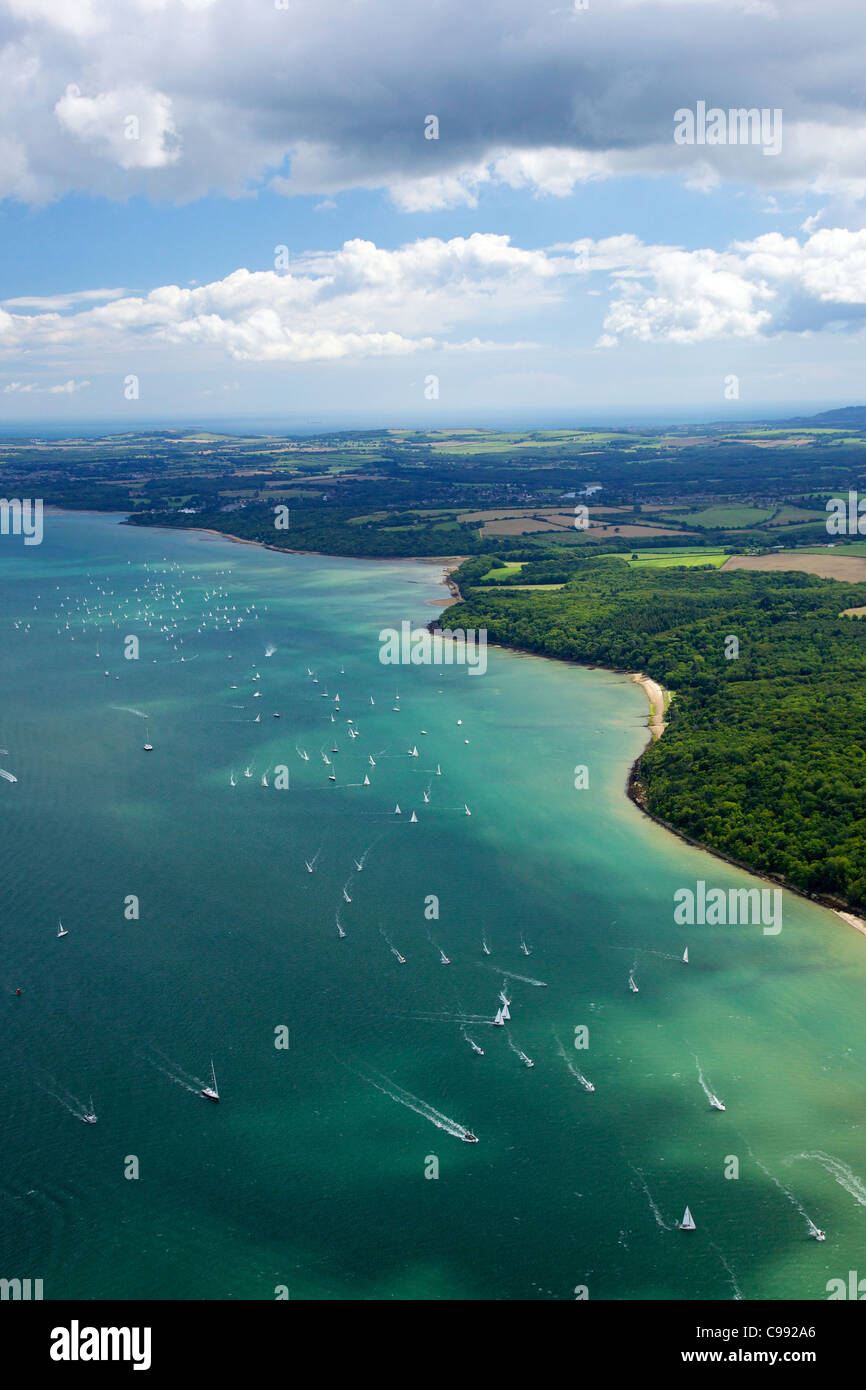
(125, 709)
(844, 1176)
(69, 1102)
(511, 975)
(660, 1221)
(738, 1292)
(795, 1202)
(710, 1095)
(427, 1112)
(174, 1071)
(578, 1075)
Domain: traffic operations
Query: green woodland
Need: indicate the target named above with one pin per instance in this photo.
(764, 757)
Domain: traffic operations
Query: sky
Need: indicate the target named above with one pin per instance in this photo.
(424, 212)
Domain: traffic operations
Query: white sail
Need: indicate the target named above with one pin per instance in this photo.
(688, 1221)
(686, 956)
(413, 819)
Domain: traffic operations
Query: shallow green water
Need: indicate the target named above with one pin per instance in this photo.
(306, 1175)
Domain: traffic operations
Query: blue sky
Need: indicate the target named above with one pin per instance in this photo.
(554, 255)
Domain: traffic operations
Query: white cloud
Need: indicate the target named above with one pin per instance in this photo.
(133, 126)
(234, 94)
(466, 295)
(65, 388)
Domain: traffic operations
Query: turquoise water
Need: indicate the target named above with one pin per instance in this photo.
(307, 1175)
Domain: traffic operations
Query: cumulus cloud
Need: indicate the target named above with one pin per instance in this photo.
(327, 95)
(464, 295)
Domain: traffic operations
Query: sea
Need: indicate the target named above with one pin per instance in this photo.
(203, 912)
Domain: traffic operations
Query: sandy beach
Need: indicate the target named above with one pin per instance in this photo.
(656, 694)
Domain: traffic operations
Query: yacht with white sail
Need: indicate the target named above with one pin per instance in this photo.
(210, 1092)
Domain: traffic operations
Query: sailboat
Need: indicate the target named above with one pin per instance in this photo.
(413, 819)
(438, 770)
(211, 1092)
(631, 984)
(258, 719)
(506, 1013)
(232, 782)
(248, 772)
(688, 1221)
(366, 781)
(264, 779)
(397, 811)
(815, 1232)
(499, 1021)
(485, 948)
(524, 948)
(89, 1116)
(686, 956)
(469, 813)
(443, 958)
(340, 931)
(61, 930)
(371, 760)
(346, 896)
(716, 1103)
(148, 746)
(332, 776)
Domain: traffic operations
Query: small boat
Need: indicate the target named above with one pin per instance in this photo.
(414, 751)
(816, 1233)
(258, 719)
(524, 948)
(688, 1221)
(397, 811)
(474, 1046)
(413, 819)
(372, 701)
(469, 813)
(371, 760)
(148, 746)
(232, 782)
(401, 959)
(335, 749)
(686, 956)
(248, 772)
(61, 930)
(340, 931)
(506, 1012)
(632, 986)
(346, 896)
(485, 948)
(716, 1103)
(366, 781)
(459, 721)
(332, 776)
(211, 1092)
(309, 866)
(264, 779)
(359, 865)
(499, 1021)
(89, 1116)
(469, 1137)
(276, 716)
(438, 770)
(426, 797)
(443, 958)
(527, 1061)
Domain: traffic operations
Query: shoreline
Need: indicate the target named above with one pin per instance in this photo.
(656, 694)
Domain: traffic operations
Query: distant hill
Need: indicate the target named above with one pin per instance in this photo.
(850, 416)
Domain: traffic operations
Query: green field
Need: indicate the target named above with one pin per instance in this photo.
(667, 559)
(726, 515)
(503, 574)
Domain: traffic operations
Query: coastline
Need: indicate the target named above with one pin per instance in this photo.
(656, 694)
